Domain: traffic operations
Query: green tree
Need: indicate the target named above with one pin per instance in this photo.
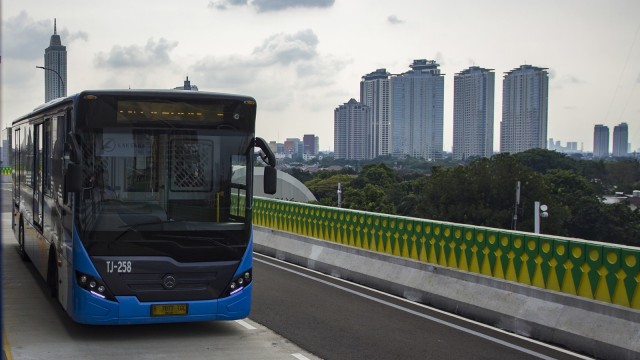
(542, 160)
(369, 198)
(325, 188)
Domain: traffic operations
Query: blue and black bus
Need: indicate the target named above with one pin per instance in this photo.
(130, 203)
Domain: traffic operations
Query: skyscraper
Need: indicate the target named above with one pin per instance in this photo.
(350, 122)
(525, 100)
(55, 63)
(473, 98)
(620, 140)
(600, 141)
(417, 111)
(374, 93)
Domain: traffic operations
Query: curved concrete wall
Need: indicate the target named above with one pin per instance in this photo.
(288, 187)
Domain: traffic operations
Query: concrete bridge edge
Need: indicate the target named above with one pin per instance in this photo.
(594, 328)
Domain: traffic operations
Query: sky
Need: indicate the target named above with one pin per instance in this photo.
(301, 59)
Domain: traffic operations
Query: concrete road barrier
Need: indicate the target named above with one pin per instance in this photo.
(596, 328)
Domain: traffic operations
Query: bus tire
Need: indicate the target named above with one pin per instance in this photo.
(21, 250)
(52, 273)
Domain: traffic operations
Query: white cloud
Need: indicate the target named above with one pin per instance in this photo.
(136, 56)
(25, 38)
(394, 20)
(277, 72)
(276, 5)
(271, 5)
(224, 4)
(284, 48)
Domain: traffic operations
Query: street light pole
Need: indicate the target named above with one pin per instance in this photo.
(59, 77)
(539, 212)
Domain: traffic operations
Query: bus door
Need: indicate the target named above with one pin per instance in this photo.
(38, 186)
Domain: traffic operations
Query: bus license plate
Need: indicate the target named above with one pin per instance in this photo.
(169, 309)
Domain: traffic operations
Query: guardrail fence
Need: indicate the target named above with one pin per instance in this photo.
(604, 272)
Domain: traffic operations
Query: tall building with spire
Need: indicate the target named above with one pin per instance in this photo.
(187, 86)
(55, 63)
(525, 98)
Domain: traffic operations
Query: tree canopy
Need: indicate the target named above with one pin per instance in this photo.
(483, 192)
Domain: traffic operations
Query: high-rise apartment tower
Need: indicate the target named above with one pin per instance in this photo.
(473, 98)
(417, 111)
(600, 141)
(374, 93)
(525, 97)
(620, 140)
(350, 121)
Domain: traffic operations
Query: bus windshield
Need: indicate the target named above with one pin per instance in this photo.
(164, 192)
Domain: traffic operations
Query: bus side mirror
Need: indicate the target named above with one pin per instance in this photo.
(270, 180)
(73, 179)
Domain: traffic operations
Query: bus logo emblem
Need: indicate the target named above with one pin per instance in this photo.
(169, 282)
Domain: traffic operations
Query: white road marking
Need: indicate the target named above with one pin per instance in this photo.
(246, 325)
(299, 356)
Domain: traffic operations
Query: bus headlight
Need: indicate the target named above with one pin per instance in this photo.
(94, 286)
(238, 283)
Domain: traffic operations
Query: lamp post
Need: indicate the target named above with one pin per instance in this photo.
(59, 77)
(539, 211)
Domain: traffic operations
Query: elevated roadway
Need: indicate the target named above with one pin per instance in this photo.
(297, 314)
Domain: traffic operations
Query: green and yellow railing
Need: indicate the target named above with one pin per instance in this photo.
(6, 170)
(593, 270)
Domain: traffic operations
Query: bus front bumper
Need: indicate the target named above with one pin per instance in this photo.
(91, 309)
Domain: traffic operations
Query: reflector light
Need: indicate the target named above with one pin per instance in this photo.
(98, 295)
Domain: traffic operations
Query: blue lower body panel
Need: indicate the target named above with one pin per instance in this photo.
(91, 309)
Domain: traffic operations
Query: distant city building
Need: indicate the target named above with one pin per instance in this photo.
(293, 146)
(473, 98)
(273, 146)
(417, 108)
(600, 141)
(525, 100)
(55, 63)
(311, 145)
(350, 122)
(621, 140)
(187, 86)
(375, 94)
(570, 148)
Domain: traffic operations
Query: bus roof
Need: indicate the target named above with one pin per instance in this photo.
(173, 94)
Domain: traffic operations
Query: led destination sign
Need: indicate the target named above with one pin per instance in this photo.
(129, 110)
